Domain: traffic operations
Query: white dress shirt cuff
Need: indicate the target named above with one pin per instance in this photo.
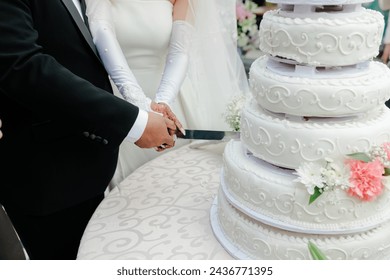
(138, 128)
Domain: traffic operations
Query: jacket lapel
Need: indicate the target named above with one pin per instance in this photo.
(80, 23)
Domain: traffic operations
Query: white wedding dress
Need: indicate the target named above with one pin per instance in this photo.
(143, 30)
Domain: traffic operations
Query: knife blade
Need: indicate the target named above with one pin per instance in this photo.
(208, 134)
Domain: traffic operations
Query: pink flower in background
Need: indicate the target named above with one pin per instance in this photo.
(247, 27)
(241, 12)
(366, 178)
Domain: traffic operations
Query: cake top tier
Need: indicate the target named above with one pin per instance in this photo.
(319, 2)
(322, 39)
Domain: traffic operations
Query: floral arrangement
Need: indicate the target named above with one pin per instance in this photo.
(359, 174)
(247, 28)
(234, 108)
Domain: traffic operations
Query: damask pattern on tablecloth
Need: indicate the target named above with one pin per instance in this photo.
(161, 211)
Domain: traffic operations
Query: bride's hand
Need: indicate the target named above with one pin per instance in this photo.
(386, 53)
(166, 111)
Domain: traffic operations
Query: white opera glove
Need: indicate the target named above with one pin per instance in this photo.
(176, 62)
(116, 65)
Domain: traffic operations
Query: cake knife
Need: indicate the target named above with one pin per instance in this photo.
(208, 134)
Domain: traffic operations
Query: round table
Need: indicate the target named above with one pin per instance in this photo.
(161, 211)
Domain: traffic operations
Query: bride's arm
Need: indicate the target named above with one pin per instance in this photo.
(386, 42)
(177, 58)
(103, 33)
(176, 63)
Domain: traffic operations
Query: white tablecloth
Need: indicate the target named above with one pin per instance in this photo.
(161, 211)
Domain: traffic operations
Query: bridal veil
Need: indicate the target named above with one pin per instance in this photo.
(216, 72)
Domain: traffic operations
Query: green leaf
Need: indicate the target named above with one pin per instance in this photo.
(387, 172)
(315, 195)
(360, 156)
(315, 252)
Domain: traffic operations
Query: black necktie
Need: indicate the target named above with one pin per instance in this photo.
(83, 11)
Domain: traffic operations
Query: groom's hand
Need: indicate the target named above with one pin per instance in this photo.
(158, 133)
(164, 109)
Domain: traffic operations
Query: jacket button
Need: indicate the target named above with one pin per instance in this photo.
(86, 133)
(92, 136)
(105, 141)
(98, 138)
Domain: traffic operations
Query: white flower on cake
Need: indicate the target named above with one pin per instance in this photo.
(233, 114)
(360, 174)
(311, 176)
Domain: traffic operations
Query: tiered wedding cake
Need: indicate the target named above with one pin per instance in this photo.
(317, 97)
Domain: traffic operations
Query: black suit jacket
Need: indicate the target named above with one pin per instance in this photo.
(62, 125)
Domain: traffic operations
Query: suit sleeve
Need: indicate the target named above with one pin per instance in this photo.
(37, 82)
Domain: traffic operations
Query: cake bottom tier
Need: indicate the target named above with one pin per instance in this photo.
(246, 238)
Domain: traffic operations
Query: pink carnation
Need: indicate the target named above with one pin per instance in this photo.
(241, 12)
(366, 179)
